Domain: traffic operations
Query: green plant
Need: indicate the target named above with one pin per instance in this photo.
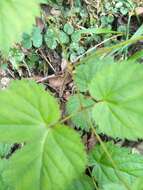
(50, 149)
(129, 166)
(115, 110)
(108, 101)
(16, 57)
(34, 39)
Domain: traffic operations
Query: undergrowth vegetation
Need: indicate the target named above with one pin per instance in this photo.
(73, 118)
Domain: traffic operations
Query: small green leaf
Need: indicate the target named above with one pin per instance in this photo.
(26, 41)
(68, 28)
(36, 37)
(63, 37)
(128, 166)
(51, 39)
(82, 118)
(76, 36)
(119, 91)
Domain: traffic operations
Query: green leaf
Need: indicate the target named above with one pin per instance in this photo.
(63, 38)
(26, 41)
(136, 56)
(36, 37)
(47, 161)
(128, 166)
(84, 183)
(68, 28)
(76, 36)
(81, 118)
(51, 39)
(97, 31)
(84, 73)
(16, 17)
(138, 184)
(29, 109)
(114, 186)
(3, 184)
(118, 91)
(28, 114)
(5, 149)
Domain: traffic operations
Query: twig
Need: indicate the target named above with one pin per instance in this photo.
(47, 61)
(46, 78)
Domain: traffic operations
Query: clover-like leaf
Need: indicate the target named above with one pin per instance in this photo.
(28, 115)
(79, 103)
(16, 17)
(37, 37)
(119, 91)
(128, 166)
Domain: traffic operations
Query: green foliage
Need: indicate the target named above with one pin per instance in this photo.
(51, 39)
(26, 41)
(84, 183)
(109, 98)
(16, 17)
(34, 39)
(52, 2)
(79, 103)
(5, 150)
(16, 58)
(54, 37)
(45, 156)
(84, 73)
(138, 184)
(128, 166)
(68, 28)
(119, 109)
(113, 186)
(122, 7)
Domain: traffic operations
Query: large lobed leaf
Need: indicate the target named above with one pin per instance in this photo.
(113, 186)
(83, 183)
(118, 88)
(77, 105)
(25, 109)
(128, 166)
(28, 114)
(16, 17)
(84, 73)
